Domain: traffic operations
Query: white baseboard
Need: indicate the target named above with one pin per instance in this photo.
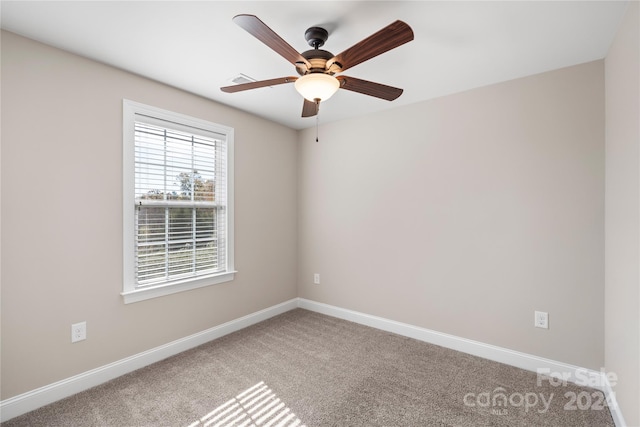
(34, 399)
(575, 374)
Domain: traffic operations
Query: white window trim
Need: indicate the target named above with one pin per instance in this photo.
(129, 291)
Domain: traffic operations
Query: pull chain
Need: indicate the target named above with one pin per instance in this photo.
(317, 100)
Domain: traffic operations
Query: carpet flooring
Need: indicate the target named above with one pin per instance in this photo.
(302, 368)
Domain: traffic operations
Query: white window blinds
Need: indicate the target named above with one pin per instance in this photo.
(180, 180)
(180, 202)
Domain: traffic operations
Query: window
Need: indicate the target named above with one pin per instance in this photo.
(177, 201)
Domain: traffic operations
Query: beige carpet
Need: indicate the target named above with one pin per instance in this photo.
(304, 368)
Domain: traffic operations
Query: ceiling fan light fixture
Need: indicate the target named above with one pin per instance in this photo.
(317, 86)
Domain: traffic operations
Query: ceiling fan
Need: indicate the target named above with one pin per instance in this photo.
(317, 67)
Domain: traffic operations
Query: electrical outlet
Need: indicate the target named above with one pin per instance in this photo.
(316, 279)
(78, 331)
(541, 319)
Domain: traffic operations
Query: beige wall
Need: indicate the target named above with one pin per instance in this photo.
(465, 214)
(62, 218)
(622, 248)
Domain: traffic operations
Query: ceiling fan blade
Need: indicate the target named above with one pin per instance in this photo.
(266, 35)
(309, 108)
(369, 88)
(258, 84)
(390, 37)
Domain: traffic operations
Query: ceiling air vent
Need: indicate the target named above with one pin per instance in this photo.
(242, 78)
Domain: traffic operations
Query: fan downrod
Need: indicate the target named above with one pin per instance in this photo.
(316, 36)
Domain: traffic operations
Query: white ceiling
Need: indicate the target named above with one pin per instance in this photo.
(195, 46)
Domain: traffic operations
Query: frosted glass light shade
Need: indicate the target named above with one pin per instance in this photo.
(317, 86)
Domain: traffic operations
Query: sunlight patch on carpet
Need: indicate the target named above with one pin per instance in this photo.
(256, 406)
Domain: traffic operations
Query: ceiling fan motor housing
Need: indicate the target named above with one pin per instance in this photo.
(318, 59)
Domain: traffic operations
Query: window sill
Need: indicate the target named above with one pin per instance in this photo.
(175, 287)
